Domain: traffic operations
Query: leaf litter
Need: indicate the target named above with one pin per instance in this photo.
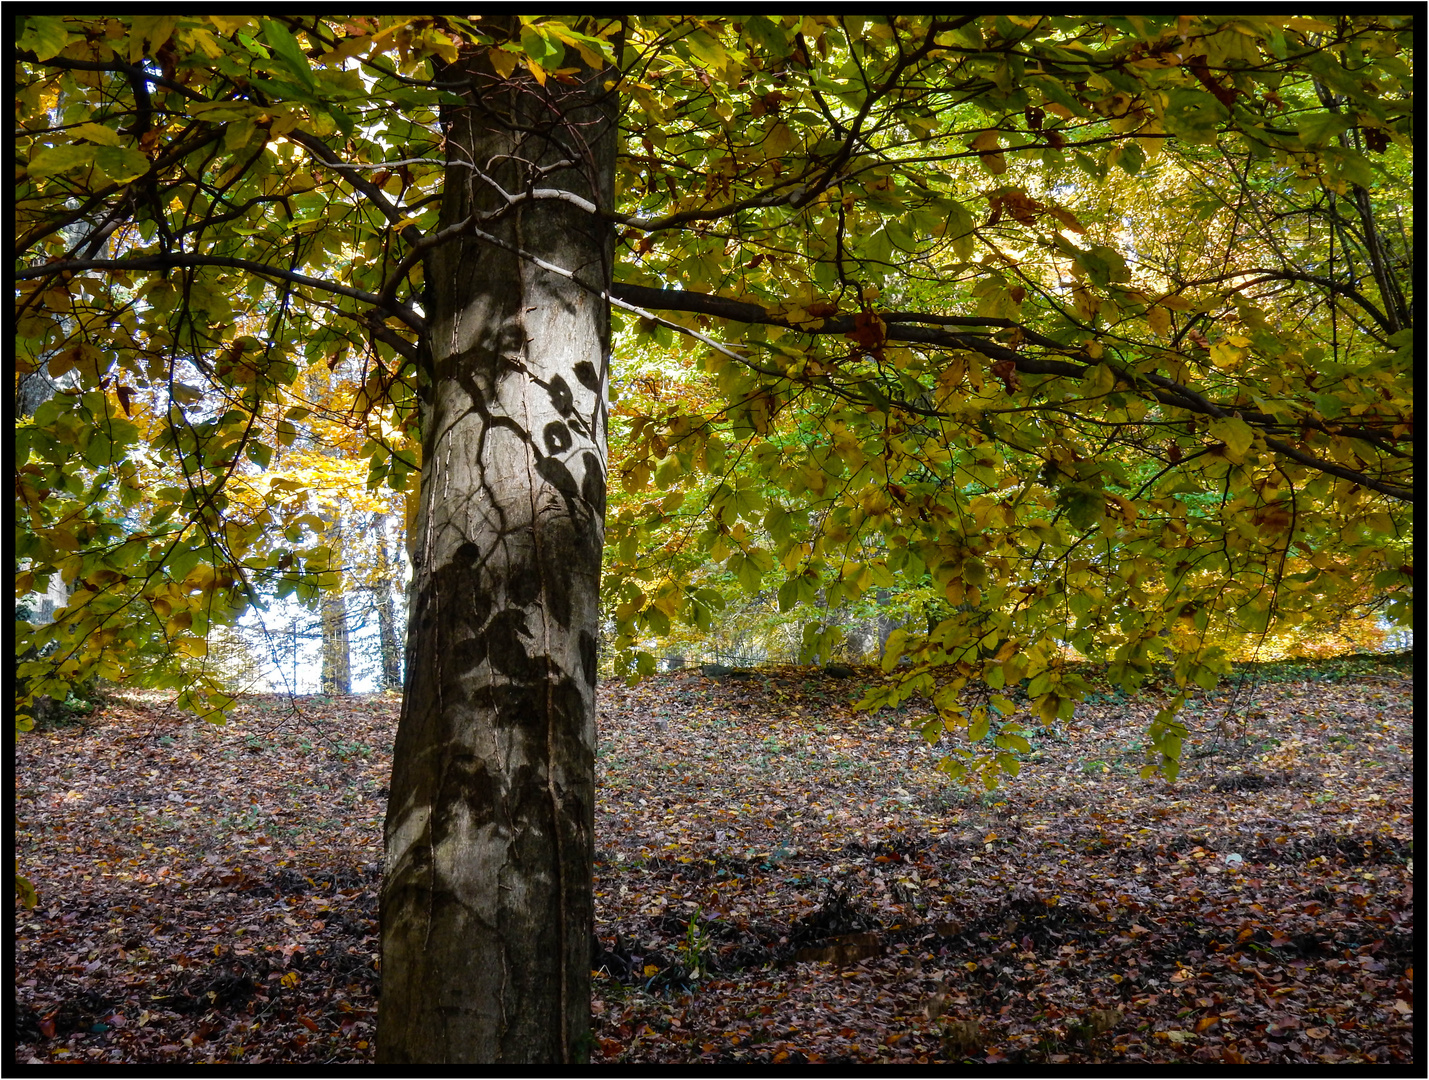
(779, 878)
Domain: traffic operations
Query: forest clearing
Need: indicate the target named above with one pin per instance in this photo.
(779, 878)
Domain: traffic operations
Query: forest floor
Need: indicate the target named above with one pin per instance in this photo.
(779, 879)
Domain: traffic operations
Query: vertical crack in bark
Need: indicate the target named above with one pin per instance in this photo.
(536, 485)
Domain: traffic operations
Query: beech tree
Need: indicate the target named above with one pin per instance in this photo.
(1099, 331)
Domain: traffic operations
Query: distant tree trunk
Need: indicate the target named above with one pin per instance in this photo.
(487, 905)
(337, 653)
(390, 646)
(884, 625)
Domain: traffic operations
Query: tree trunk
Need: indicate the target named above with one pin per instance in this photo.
(337, 653)
(389, 646)
(487, 905)
(387, 639)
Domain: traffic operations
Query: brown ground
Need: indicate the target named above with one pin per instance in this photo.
(780, 878)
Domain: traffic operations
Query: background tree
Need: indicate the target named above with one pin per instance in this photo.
(948, 344)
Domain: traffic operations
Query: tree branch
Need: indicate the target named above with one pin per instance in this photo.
(117, 66)
(181, 259)
(1329, 284)
(39, 232)
(320, 150)
(1163, 389)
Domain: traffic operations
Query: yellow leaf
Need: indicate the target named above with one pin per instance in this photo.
(1159, 319)
(155, 29)
(1125, 507)
(1235, 433)
(1310, 26)
(440, 44)
(346, 48)
(200, 577)
(1225, 355)
(1103, 380)
(537, 71)
(226, 24)
(193, 646)
(986, 141)
(986, 146)
(97, 133)
(1047, 708)
(502, 62)
(204, 40)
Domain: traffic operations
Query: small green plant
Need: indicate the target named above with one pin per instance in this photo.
(1095, 768)
(693, 953)
(346, 750)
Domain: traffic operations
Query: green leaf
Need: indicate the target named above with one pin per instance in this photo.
(788, 595)
(977, 730)
(121, 163)
(344, 122)
(1194, 115)
(770, 37)
(24, 890)
(1131, 157)
(54, 160)
(1010, 741)
(45, 35)
(285, 47)
(1317, 129)
(542, 48)
(749, 575)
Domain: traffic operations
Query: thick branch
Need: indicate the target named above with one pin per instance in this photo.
(173, 154)
(1165, 390)
(133, 71)
(1329, 284)
(179, 259)
(319, 149)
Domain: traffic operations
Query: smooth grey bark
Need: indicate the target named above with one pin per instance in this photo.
(487, 907)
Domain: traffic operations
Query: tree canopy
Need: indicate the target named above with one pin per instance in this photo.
(1096, 334)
